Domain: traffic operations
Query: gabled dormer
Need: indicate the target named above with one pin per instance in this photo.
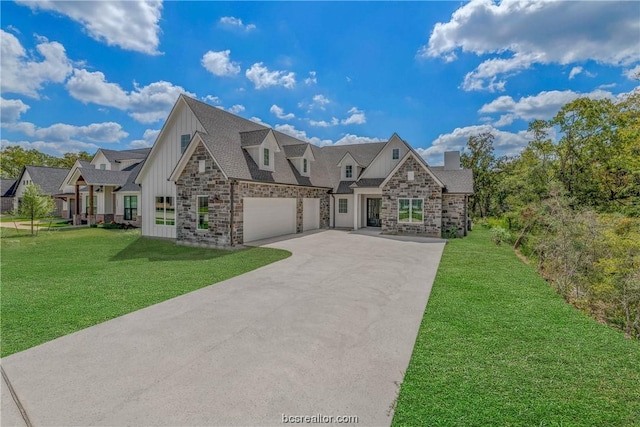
(301, 156)
(349, 168)
(261, 146)
(100, 161)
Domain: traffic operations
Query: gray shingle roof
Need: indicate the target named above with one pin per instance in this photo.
(135, 154)
(293, 151)
(369, 182)
(455, 181)
(362, 153)
(8, 187)
(104, 177)
(253, 138)
(130, 185)
(48, 179)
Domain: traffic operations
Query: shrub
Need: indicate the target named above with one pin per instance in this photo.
(500, 235)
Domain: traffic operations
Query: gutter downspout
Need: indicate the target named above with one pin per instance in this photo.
(231, 215)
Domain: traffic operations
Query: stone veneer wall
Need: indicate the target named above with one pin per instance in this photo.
(422, 187)
(212, 183)
(454, 214)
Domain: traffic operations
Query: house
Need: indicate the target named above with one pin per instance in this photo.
(103, 190)
(215, 179)
(47, 178)
(7, 193)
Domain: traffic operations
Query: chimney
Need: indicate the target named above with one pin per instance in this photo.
(451, 160)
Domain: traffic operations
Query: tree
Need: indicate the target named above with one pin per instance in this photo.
(35, 204)
(481, 161)
(69, 159)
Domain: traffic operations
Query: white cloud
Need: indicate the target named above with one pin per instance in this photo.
(92, 87)
(575, 71)
(279, 112)
(319, 101)
(146, 104)
(148, 138)
(505, 120)
(132, 25)
(11, 109)
(211, 99)
(311, 79)
(357, 117)
(302, 135)
(259, 121)
(505, 143)
(235, 109)
(22, 73)
(574, 32)
(95, 132)
(633, 73)
(53, 148)
(262, 78)
(355, 139)
(219, 63)
(325, 124)
(236, 22)
(541, 106)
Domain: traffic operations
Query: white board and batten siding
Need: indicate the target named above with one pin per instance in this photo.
(163, 158)
(265, 217)
(384, 162)
(310, 214)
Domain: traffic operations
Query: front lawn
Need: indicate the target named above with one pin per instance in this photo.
(66, 280)
(497, 346)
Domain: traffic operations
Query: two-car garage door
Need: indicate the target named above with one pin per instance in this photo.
(266, 217)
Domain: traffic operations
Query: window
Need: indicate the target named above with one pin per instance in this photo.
(395, 154)
(305, 165)
(95, 205)
(342, 206)
(103, 166)
(265, 160)
(165, 211)
(348, 171)
(202, 166)
(130, 208)
(203, 212)
(184, 141)
(410, 210)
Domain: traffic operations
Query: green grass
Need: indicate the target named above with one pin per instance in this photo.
(497, 346)
(66, 280)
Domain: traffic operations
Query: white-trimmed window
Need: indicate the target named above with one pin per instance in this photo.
(203, 212)
(395, 153)
(184, 141)
(348, 171)
(410, 210)
(265, 157)
(165, 211)
(95, 205)
(343, 206)
(305, 166)
(130, 208)
(103, 166)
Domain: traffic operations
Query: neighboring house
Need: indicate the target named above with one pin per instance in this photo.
(216, 179)
(7, 193)
(49, 181)
(103, 190)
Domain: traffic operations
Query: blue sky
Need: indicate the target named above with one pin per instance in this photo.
(83, 75)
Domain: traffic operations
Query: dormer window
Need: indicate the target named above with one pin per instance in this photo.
(266, 157)
(395, 154)
(348, 171)
(103, 166)
(305, 166)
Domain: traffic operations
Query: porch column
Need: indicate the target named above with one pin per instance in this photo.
(90, 216)
(76, 212)
(356, 196)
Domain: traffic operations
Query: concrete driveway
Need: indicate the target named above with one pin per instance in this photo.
(327, 331)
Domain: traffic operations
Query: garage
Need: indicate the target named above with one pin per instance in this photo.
(310, 214)
(266, 217)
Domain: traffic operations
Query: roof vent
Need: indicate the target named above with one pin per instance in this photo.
(451, 160)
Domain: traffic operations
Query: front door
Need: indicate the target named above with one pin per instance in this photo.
(373, 212)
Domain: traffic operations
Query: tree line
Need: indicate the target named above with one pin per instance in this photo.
(13, 158)
(571, 203)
